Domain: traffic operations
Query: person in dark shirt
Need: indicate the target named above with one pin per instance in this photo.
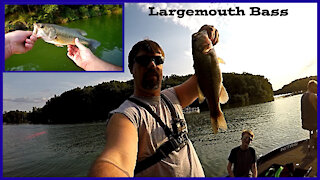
(309, 110)
(243, 158)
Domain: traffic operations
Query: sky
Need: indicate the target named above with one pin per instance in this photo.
(280, 48)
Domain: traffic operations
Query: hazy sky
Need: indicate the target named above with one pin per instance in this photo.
(281, 48)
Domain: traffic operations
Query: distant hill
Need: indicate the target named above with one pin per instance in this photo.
(296, 86)
(93, 103)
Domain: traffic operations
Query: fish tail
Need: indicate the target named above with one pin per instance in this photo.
(222, 124)
(93, 44)
(214, 124)
(218, 123)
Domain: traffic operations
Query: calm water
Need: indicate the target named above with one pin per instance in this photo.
(47, 57)
(69, 150)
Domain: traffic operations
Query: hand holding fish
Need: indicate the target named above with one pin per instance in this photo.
(19, 42)
(84, 58)
(207, 70)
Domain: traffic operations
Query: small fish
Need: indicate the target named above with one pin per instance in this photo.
(60, 36)
(207, 70)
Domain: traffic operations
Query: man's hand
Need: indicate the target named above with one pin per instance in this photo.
(254, 170)
(84, 58)
(19, 42)
(80, 54)
(229, 169)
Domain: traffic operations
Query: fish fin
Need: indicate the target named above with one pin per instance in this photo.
(200, 95)
(80, 31)
(93, 44)
(221, 61)
(58, 45)
(221, 121)
(224, 97)
(218, 123)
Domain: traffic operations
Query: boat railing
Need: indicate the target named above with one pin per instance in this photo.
(276, 151)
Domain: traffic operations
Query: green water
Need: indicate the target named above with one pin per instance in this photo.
(47, 57)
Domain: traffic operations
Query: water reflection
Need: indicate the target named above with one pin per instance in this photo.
(69, 150)
(275, 124)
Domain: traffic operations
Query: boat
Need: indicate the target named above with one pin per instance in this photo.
(298, 159)
(191, 110)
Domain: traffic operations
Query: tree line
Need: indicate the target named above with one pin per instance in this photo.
(93, 103)
(296, 86)
(23, 16)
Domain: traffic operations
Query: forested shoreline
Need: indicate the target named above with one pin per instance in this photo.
(296, 87)
(93, 103)
(22, 17)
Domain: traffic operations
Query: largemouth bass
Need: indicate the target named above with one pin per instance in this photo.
(207, 70)
(60, 36)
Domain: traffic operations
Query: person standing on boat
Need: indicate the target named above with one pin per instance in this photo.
(309, 110)
(147, 135)
(243, 158)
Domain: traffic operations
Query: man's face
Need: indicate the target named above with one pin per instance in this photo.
(147, 70)
(246, 139)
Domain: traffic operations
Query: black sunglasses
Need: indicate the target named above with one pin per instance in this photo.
(145, 60)
(250, 138)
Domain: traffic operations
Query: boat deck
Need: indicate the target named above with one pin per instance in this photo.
(301, 156)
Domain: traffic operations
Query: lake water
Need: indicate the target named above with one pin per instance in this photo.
(69, 150)
(47, 57)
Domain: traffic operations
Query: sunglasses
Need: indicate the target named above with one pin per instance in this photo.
(145, 60)
(250, 138)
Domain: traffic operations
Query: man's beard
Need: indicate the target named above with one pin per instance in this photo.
(150, 83)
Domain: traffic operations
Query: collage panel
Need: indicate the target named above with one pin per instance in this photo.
(195, 90)
(264, 74)
(54, 123)
(50, 32)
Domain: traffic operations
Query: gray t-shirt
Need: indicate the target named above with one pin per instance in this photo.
(184, 163)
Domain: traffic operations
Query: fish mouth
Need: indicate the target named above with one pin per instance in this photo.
(208, 48)
(206, 51)
(202, 40)
(36, 25)
(35, 28)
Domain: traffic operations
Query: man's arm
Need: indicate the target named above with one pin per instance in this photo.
(313, 99)
(254, 170)
(118, 159)
(230, 172)
(187, 92)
